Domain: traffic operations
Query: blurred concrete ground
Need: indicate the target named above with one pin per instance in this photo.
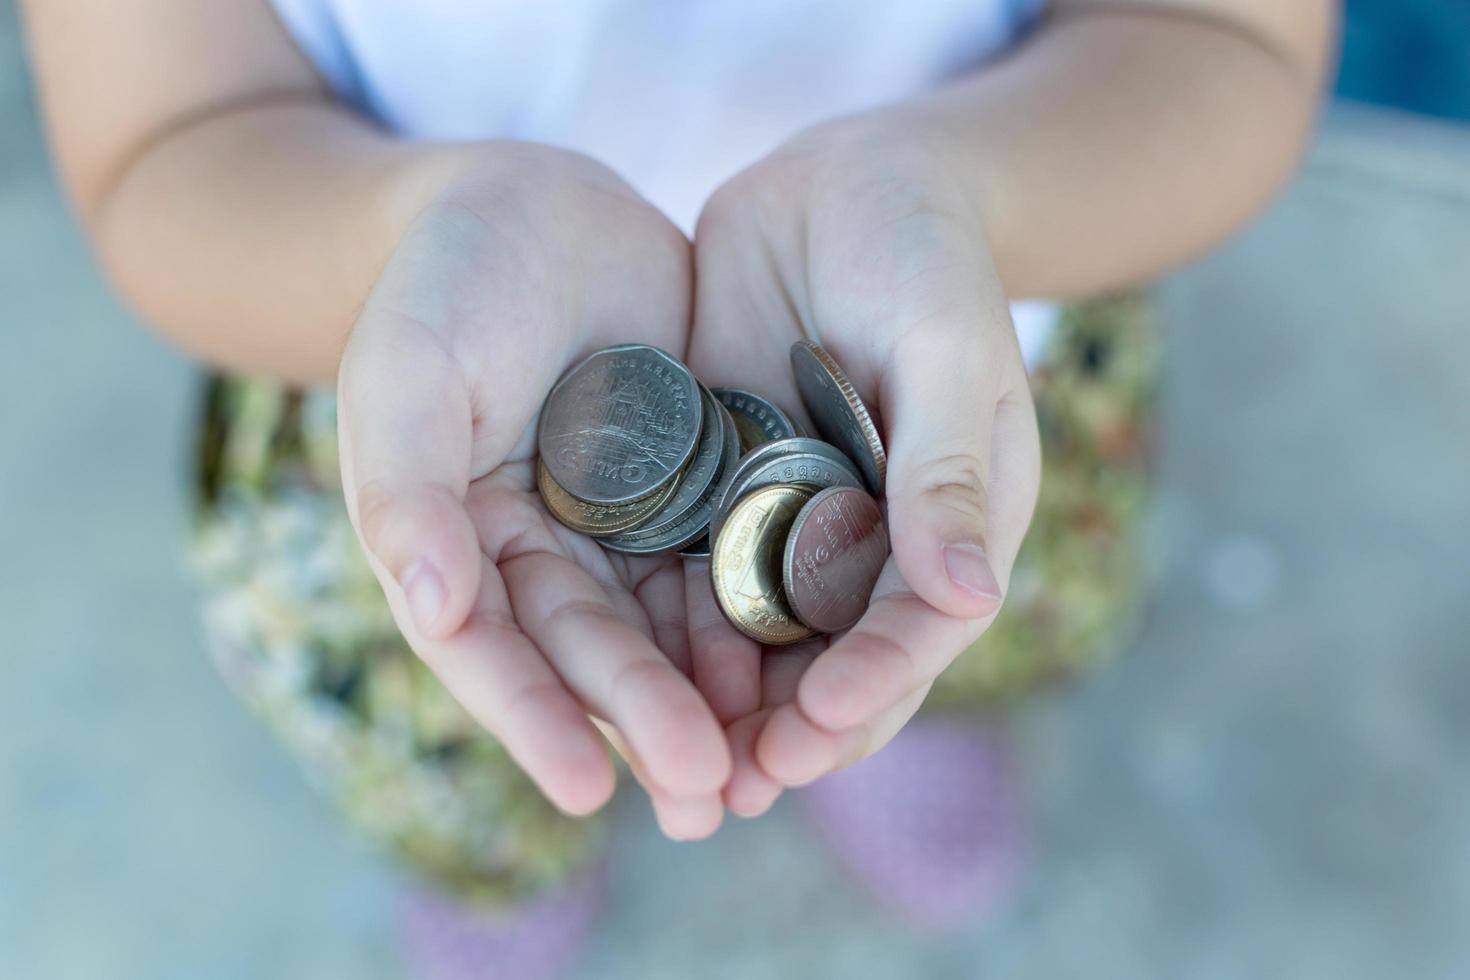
(1275, 781)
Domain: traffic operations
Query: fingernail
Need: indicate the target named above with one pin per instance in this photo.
(425, 592)
(970, 570)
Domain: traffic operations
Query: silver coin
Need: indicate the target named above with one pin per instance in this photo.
(759, 419)
(686, 533)
(699, 549)
(781, 447)
(793, 461)
(620, 425)
(838, 413)
(687, 515)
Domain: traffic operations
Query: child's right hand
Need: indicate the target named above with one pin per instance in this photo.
(530, 260)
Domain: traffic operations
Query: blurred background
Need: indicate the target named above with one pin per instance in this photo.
(1274, 781)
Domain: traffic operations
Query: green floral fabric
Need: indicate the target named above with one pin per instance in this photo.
(300, 629)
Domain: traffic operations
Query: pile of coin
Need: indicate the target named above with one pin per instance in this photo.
(637, 453)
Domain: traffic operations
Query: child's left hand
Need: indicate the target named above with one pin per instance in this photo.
(868, 243)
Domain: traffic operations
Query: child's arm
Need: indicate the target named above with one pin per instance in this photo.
(1131, 134)
(1121, 138)
(257, 222)
(235, 204)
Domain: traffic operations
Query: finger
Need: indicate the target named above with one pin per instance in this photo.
(726, 665)
(751, 791)
(794, 752)
(940, 390)
(661, 595)
(618, 672)
(694, 818)
(900, 644)
(680, 818)
(502, 680)
(782, 669)
(404, 426)
(904, 641)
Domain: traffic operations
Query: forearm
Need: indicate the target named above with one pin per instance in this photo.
(1113, 145)
(236, 204)
(252, 237)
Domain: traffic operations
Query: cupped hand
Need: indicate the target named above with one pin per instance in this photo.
(525, 263)
(868, 241)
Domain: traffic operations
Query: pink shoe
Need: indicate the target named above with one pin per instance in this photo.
(443, 939)
(931, 824)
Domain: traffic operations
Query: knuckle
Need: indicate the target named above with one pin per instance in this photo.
(494, 627)
(955, 482)
(391, 516)
(580, 608)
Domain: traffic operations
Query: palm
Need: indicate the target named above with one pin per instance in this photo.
(481, 309)
(745, 324)
(898, 289)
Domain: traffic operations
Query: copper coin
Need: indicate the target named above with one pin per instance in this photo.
(838, 413)
(745, 565)
(833, 556)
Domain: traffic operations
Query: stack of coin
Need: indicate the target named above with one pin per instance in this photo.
(637, 453)
(632, 450)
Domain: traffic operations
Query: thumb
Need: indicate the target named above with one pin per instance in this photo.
(404, 427)
(940, 392)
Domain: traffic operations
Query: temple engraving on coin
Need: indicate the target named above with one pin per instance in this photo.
(620, 424)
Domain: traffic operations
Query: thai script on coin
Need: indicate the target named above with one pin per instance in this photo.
(757, 419)
(834, 554)
(796, 460)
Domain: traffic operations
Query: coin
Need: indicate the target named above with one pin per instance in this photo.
(620, 425)
(797, 469)
(597, 519)
(838, 413)
(758, 419)
(745, 565)
(699, 549)
(703, 470)
(833, 556)
(762, 465)
(680, 524)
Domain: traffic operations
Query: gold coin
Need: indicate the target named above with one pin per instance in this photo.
(746, 564)
(599, 519)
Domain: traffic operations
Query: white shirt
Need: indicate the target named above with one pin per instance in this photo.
(675, 95)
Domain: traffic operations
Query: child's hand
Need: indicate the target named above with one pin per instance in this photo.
(526, 264)
(865, 242)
